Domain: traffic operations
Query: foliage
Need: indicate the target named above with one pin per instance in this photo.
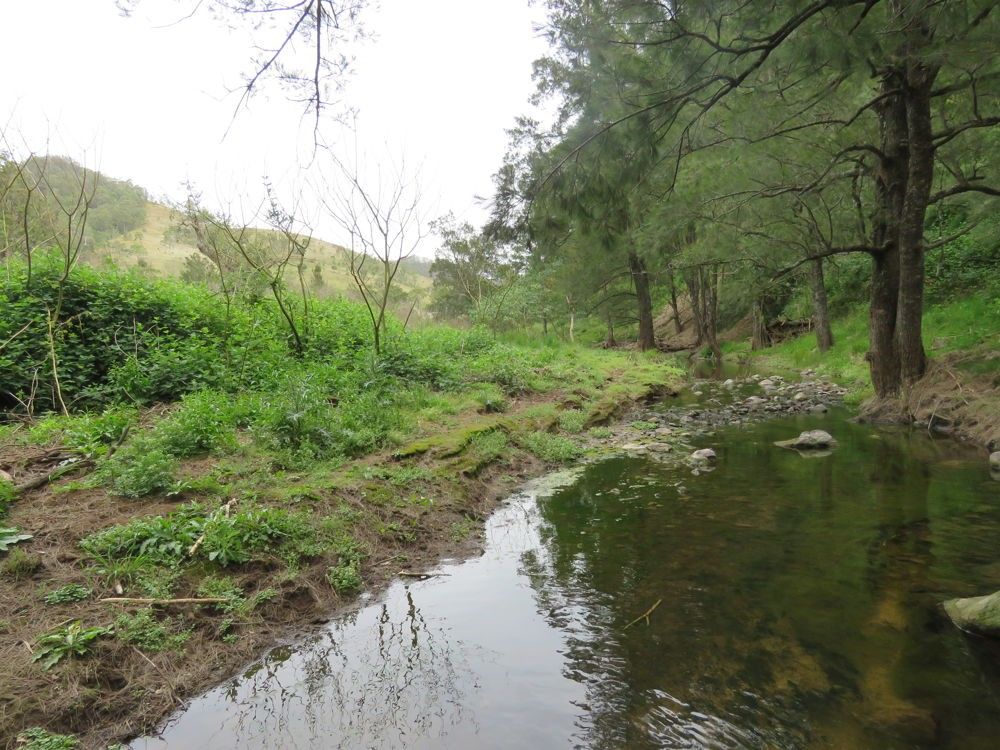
(10, 536)
(37, 738)
(71, 592)
(549, 447)
(7, 496)
(69, 640)
(146, 632)
(572, 420)
(220, 536)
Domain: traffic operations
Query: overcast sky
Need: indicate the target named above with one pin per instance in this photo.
(146, 97)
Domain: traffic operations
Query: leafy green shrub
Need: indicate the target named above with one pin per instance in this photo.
(488, 446)
(572, 420)
(141, 468)
(549, 447)
(297, 415)
(37, 738)
(218, 537)
(168, 367)
(71, 592)
(7, 496)
(501, 365)
(205, 421)
(69, 640)
(235, 601)
(344, 577)
(144, 631)
(108, 319)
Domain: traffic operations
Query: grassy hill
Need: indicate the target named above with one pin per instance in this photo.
(156, 251)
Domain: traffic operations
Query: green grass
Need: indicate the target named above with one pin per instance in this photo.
(970, 325)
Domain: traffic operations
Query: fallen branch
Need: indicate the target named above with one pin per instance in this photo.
(226, 509)
(644, 616)
(408, 574)
(132, 600)
(44, 479)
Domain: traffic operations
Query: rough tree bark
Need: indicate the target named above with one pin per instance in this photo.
(821, 309)
(640, 279)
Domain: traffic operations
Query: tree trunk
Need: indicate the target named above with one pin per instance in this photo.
(545, 324)
(890, 187)
(678, 323)
(821, 310)
(645, 305)
(909, 339)
(759, 338)
(693, 281)
(710, 303)
(609, 340)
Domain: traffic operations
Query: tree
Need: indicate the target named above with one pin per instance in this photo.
(385, 224)
(887, 94)
(281, 28)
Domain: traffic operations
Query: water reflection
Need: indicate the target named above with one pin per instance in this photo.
(798, 610)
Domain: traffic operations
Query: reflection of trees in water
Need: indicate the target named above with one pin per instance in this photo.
(755, 625)
(369, 681)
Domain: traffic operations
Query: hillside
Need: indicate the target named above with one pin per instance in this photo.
(155, 250)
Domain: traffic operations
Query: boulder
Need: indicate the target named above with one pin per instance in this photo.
(819, 408)
(799, 396)
(703, 454)
(730, 383)
(754, 401)
(634, 447)
(977, 614)
(995, 461)
(767, 383)
(809, 440)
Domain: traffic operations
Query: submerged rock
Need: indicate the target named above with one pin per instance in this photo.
(976, 614)
(809, 440)
(703, 454)
(819, 409)
(995, 460)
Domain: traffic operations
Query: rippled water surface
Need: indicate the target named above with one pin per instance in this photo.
(792, 603)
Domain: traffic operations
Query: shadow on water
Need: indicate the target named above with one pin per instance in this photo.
(798, 608)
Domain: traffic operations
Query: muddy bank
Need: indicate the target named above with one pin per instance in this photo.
(406, 508)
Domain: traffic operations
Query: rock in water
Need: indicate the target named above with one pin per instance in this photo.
(799, 396)
(704, 454)
(995, 461)
(977, 614)
(809, 440)
(819, 409)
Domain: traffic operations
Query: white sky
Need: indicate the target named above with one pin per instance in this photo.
(146, 99)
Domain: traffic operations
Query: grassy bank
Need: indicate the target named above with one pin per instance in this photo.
(965, 332)
(212, 491)
(962, 388)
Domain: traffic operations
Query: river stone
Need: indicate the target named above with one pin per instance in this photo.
(819, 409)
(809, 440)
(799, 396)
(767, 383)
(730, 383)
(995, 460)
(754, 401)
(703, 454)
(977, 614)
(634, 447)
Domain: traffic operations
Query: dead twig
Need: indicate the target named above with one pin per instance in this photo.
(644, 616)
(410, 574)
(134, 600)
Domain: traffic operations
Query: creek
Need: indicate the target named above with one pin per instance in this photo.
(790, 602)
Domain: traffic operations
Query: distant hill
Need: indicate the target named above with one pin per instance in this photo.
(161, 248)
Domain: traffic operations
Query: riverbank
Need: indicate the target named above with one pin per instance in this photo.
(174, 592)
(959, 395)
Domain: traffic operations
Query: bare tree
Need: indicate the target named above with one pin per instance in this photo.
(385, 225)
(270, 254)
(302, 44)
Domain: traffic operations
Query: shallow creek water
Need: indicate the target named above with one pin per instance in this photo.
(797, 606)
